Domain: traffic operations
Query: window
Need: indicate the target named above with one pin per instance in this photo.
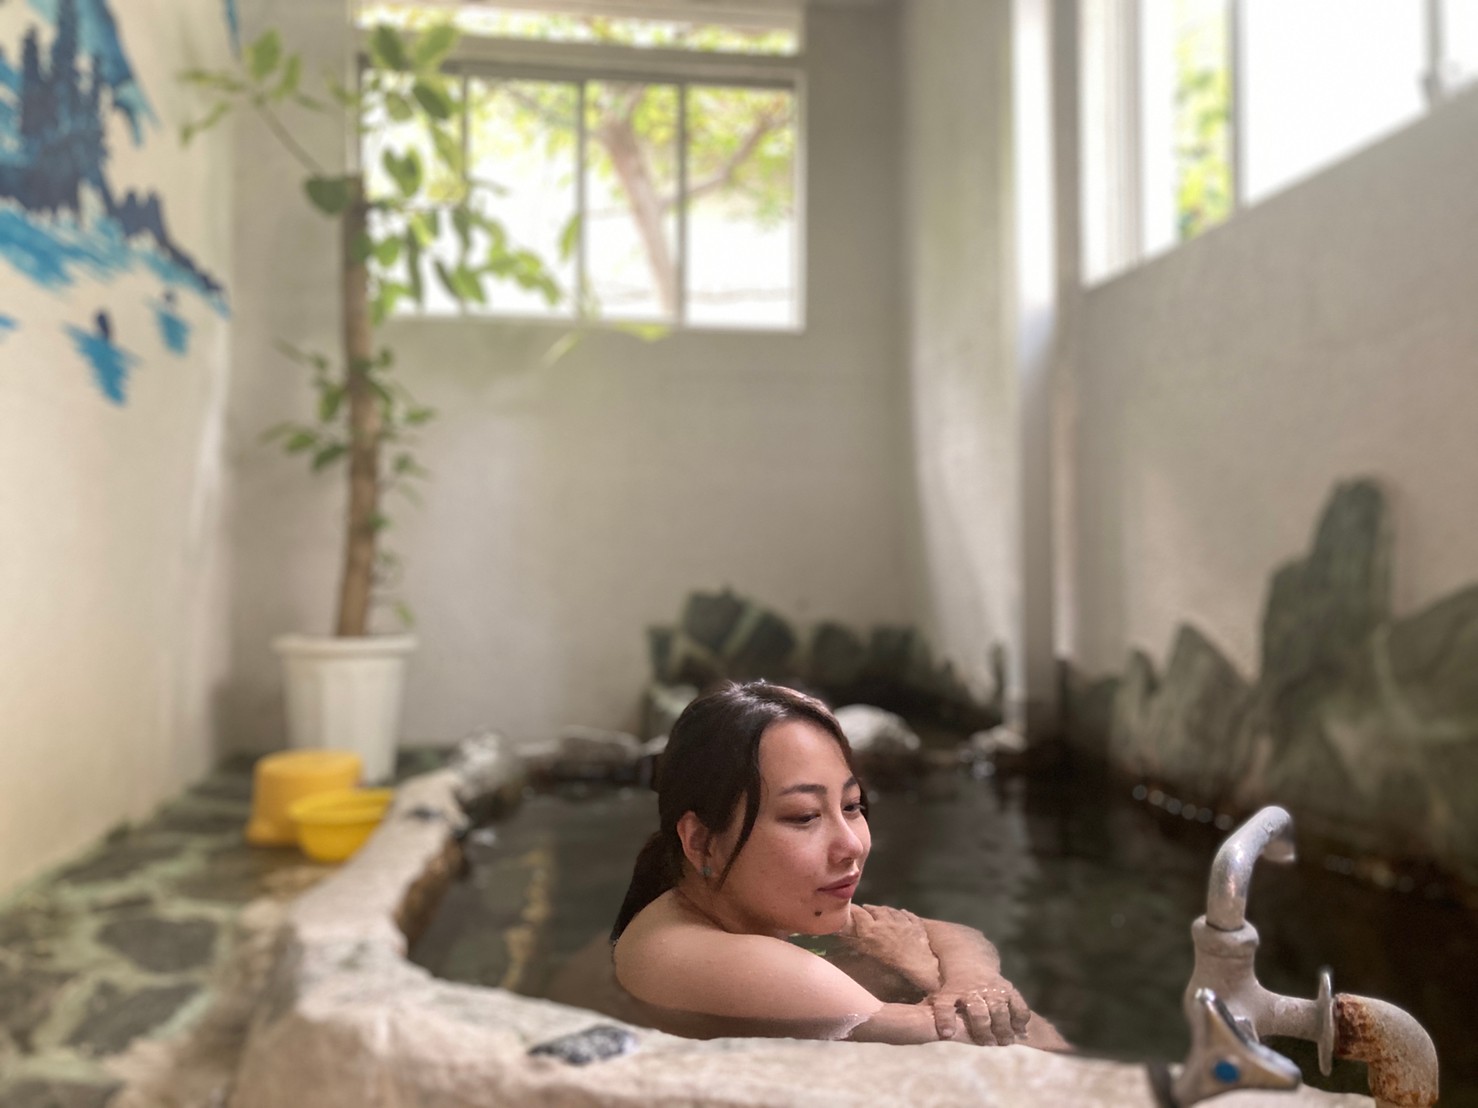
(1194, 108)
(651, 163)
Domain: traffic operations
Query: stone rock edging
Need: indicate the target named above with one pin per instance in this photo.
(1362, 723)
(346, 1022)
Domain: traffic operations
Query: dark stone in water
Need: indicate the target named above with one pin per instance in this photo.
(1195, 716)
(838, 656)
(661, 705)
(1322, 608)
(594, 1044)
(761, 647)
(710, 618)
(1432, 657)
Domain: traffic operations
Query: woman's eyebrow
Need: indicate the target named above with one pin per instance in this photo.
(818, 790)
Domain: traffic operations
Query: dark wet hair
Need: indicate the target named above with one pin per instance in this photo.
(711, 763)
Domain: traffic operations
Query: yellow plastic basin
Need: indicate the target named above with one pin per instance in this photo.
(281, 780)
(332, 826)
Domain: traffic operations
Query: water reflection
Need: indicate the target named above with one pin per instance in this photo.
(1088, 893)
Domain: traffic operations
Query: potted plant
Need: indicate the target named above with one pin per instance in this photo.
(343, 691)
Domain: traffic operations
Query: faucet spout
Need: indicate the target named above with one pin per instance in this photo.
(1401, 1062)
(1269, 833)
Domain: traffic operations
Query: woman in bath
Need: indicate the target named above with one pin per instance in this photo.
(764, 835)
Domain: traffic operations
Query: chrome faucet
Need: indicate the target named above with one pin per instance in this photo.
(1230, 1012)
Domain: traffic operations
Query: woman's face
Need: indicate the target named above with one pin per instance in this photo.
(799, 867)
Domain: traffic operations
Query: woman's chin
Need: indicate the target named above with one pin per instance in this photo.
(825, 921)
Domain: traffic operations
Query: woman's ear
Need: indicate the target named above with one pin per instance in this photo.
(697, 841)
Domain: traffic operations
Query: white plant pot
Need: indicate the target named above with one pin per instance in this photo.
(344, 694)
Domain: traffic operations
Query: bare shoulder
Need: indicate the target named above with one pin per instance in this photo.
(670, 959)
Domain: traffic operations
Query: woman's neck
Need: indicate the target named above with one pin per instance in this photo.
(700, 899)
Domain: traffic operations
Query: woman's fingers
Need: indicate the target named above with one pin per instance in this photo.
(1021, 1013)
(945, 1023)
(991, 1015)
(1000, 1019)
(977, 1015)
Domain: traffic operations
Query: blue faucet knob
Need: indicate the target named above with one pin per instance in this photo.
(1226, 1071)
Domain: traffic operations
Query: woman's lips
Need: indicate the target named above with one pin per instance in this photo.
(842, 890)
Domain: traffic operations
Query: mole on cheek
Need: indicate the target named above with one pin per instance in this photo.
(818, 913)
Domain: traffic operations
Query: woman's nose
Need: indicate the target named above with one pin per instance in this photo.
(846, 844)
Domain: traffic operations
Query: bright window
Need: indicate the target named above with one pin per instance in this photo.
(1323, 78)
(652, 164)
(1191, 109)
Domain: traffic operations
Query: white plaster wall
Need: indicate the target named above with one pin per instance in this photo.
(110, 555)
(572, 507)
(1224, 388)
(963, 394)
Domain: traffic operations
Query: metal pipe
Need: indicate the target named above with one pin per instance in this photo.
(1401, 1062)
(1269, 832)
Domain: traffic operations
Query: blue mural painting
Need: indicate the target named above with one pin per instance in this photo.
(110, 362)
(174, 329)
(61, 216)
(7, 325)
(233, 25)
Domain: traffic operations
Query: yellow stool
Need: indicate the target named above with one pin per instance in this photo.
(281, 779)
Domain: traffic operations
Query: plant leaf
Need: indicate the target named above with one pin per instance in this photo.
(387, 50)
(329, 401)
(404, 170)
(434, 44)
(300, 441)
(329, 454)
(361, 248)
(562, 346)
(387, 252)
(398, 107)
(448, 282)
(569, 238)
(448, 149)
(330, 195)
(263, 55)
(437, 103)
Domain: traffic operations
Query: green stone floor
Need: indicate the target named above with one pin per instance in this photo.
(123, 945)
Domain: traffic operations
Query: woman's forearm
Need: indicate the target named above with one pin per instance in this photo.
(906, 1024)
(966, 957)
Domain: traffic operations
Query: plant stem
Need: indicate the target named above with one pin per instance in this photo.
(365, 427)
(291, 144)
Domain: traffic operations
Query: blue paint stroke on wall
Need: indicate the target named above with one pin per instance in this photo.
(97, 35)
(110, 362)
(174, 329)
(233, 25)
(7, 325)
(59, 213)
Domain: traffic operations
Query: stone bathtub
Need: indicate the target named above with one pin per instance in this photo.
(345, 1020)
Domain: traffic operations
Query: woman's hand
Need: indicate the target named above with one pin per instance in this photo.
(897, 939)
(994, 1013)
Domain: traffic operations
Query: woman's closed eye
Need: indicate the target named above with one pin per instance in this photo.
(852, 810)
(802, 818)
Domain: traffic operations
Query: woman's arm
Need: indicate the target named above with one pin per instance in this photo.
(957, 967)
(970, 972)
(706, 983)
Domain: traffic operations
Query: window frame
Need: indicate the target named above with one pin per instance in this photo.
(501, 58)
(1126, 237)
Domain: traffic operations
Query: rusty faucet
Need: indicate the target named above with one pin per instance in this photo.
(1230, 1012)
